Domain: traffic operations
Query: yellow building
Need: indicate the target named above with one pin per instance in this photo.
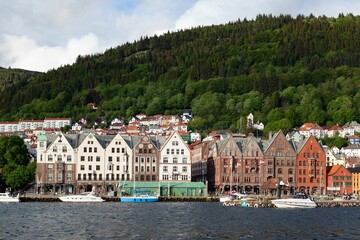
(355, 172)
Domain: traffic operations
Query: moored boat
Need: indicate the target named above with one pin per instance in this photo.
(296, 201)
(84, 197)
(7, 197)
(140, 196)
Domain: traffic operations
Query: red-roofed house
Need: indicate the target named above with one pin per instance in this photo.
(335, 130)
(339, 180)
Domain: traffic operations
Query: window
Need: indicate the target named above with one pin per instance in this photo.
(178, 151)
(184, 160)
(172, 151)
(90, 158)
(165, 168)
(175, 160)
(64, 149)
(90, 167)
(182, 151)
(55, 149)
(110, 159)
(95, 149)
(165, 177)
(85, 149)
(167, 151)
(97, 158)
(246, 179)
(98, 167)
(113, 150)
(82, 167)
(100, 176)
(165, 159)
(50, 158)
(59, 158)
(68, 177)
(68, 159)
(82, 158)
(136, 159)
(118, 159)
(79, 176)
(184, 169)
(69, 167)
(184, 177)
(148, 168)
(175, 169)
(50, 177)
(50, 166)
(280, 171)
(90, 149)
(118, 168)
(153, 169)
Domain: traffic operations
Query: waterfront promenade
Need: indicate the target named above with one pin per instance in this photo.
(264, 202)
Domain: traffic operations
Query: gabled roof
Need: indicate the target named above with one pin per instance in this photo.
(334, 169)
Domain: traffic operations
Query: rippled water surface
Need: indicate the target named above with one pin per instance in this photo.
(173, 221)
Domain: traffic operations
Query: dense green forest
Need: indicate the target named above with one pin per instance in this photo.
(284, 70)
(10, 77)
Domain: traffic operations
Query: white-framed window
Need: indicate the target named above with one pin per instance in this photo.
(165, 168)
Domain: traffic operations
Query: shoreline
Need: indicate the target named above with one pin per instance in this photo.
(255, 203)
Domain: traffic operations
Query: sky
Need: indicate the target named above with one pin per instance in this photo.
(41, 35)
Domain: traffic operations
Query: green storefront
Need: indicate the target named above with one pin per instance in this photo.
(165, 188)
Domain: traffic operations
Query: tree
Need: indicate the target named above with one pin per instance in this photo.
(13, 149)
(14, 161)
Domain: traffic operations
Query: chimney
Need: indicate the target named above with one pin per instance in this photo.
(270, 135)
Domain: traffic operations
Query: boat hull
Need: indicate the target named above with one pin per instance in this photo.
(294, 203)
(139, 199)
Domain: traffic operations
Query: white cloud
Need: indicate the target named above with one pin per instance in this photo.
(41, 34)
(23, 52)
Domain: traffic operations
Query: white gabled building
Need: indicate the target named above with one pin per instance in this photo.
(175, 163)
(91, 166)
(118, 162)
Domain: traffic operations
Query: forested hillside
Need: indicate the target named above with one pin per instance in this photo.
(284, 70)
(10, 77)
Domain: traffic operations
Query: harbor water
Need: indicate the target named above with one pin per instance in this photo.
(173, 220)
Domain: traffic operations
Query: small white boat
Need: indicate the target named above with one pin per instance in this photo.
(84, 197)
(7, 197)
(297, 201)
(226, 198)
